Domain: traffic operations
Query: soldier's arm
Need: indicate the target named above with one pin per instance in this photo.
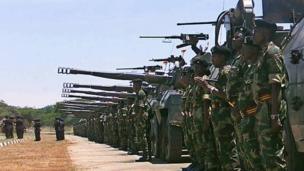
(276, 78)
(206, 114)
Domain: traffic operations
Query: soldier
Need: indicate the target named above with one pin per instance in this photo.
(10, 127)
(61, 129)
(19, 127)
(247, 107)
(114, 126)
(56, 126)
(5, 127)
(222, 123)
(37, 130)
(268, 79)
(122, 125)
(101, 128)
(141, 117)
(132, 146)
(198, 122)
(234, 87)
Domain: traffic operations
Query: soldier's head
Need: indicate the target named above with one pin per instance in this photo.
(250, 50)
(185, 76)
(137, 83)
(238, 38)
(200, 64)
(220, 56)
(263, 32)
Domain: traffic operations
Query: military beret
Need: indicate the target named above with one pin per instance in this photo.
(265, 24)
(36, 119)
(221, 50)
(202, 59)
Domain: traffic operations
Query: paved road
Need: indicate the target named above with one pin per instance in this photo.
(86, 155)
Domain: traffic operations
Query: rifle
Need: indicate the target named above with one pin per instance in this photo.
(146, 69)
(187, 39)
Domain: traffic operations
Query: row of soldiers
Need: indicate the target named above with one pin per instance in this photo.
(236, 121)
(8, 126)
(233, 107)
(123, 125)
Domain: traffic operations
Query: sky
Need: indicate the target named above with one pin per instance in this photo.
(38, 36)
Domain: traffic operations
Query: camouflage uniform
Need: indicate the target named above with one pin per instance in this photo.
(223, 126)
(204, 138)
(106, 129)
(269, 70)
(122, 128)
(132, 146)
(141, 117)
(233, 89)
(247, 106)
(188, 123)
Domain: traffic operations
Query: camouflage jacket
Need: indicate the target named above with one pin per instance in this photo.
(269, 69)
(235, 78)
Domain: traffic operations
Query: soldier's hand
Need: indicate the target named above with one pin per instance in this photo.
(276, 125)
(201, 81)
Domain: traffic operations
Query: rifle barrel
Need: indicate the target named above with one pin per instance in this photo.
(197, 23)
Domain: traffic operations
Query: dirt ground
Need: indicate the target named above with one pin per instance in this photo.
(87, 155)
(46, 155)
(74, 153)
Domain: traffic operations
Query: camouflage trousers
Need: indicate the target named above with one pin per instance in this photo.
(122, 127)
(141, 139)
(270, 143)
(116, 138)
(225, 140)
(250, 146)
(188, 136)
(200, 143)
(132, 146)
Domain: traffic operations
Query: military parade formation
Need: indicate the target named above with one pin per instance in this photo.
(228, 110)
(237, 106)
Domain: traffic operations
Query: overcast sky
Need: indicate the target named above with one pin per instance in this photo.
(38, 36)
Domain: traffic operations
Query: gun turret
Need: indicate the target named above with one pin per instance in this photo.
(172, 59)
(152, 79)
(188, 39)
(116, 94)
(146, 69)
